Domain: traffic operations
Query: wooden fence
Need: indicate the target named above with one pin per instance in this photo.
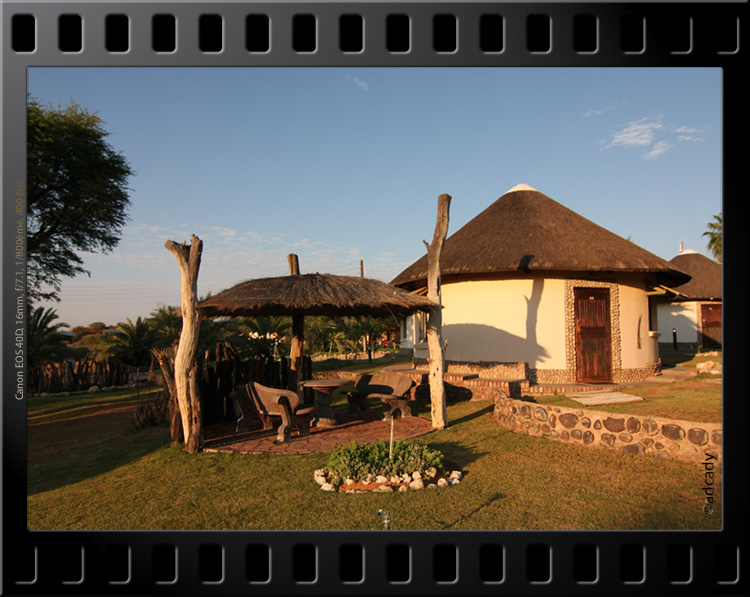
(221, 374)
(70, 376)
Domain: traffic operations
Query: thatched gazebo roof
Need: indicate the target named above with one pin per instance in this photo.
(526, 231)
(313, 294)
(706, 277)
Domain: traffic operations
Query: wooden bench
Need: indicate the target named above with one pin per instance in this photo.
(266, 404)
(391, 388)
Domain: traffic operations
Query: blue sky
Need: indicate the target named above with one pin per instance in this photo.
(340, 165)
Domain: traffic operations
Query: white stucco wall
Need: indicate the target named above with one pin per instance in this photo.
(519, 320)
(682, 317)
(523, 320)
(637, 348)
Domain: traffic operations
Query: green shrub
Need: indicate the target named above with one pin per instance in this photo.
(356, 460)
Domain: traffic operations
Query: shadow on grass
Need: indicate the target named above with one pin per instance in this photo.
(97, 440)
(471, 416)
(456, 455)
(495, 497)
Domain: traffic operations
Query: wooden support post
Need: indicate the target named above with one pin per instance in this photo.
(298, 336)
(189, 259)
(434, 323)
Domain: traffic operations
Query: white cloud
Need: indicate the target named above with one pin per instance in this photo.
(658, 150)
(689, 133)
(358, 82)
(597, 112)
(639, 133)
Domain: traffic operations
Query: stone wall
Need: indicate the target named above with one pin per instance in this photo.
(485, 369)
(633, 434)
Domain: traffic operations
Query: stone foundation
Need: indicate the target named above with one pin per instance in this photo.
(522, 371)
(483, 369)
(633, 434)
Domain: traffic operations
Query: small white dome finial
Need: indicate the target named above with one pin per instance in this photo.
(521, 187)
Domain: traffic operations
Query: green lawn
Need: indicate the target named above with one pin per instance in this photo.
(88, 470)
(697, 399)
(361, 365)
(687, 358)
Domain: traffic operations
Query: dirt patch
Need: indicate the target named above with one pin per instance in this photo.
(47, 438)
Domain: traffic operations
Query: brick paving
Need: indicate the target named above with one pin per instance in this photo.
(363, 427)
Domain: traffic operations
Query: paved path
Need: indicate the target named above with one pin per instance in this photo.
(595, 399)
(365, 428)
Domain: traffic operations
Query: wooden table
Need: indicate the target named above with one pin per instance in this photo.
(324, 388)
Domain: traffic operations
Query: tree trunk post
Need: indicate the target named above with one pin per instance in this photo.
(434, 323)
(189, 259)
(165, 358)
(298, 336)
(195, 438)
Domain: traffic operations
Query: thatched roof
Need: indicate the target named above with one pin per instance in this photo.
(313, 294)
(706, 276)
(526, 231)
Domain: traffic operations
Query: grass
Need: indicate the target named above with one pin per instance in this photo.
(88, 470)
(687, 358)
(360, 365)
(697, 399)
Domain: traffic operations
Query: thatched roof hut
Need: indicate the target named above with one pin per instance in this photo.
(531, 283)
(313, 294)
(706, 277)
(524, 230)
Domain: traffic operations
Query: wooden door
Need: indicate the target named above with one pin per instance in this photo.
(593, 335)
(711, 325)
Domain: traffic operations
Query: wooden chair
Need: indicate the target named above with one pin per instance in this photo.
(273, 402)
(248, 412)
(391, 388)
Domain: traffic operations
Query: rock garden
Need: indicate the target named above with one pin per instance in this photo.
(385, 467)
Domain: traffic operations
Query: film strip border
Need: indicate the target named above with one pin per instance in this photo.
(377, 34)
(375, 563)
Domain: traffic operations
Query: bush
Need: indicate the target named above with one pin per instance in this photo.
(150, 413)
(356, 460)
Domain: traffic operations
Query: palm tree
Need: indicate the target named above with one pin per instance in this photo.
(714, 234)
(134, 341)
(45, 344)
(167, 324)
(319, 333)
(261, 334)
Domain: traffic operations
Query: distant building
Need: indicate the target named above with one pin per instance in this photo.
(691, 313)
(530, 286)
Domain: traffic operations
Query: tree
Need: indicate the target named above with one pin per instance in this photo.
(715, 233)
(372, 328)
(165, 357)
(167, 323)
(435, 321)
(98, 347)
(45, 345)
(267, 332)
(319, 333)
(134, 341)
(76, 194)
(185, 367)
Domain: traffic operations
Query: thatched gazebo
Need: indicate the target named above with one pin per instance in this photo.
(311, 294)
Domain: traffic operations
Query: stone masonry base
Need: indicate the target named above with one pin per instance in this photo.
(633, 434)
